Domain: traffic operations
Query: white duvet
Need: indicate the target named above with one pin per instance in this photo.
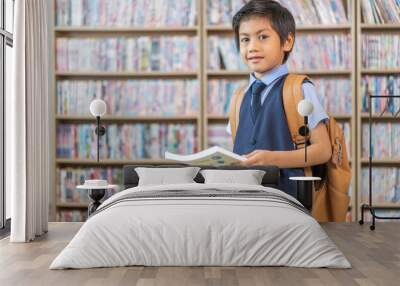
(200, 231)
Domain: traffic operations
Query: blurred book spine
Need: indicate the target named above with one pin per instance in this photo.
(380, 85)
(68, 178)
(140, 54)
(385, 184)
(218, 136)
(125, 141)
(136, 13)
(380, 11)
(129, 97)
(385, 140)
(330, 52)
(380, 51)
(68, 215)
(305, 12)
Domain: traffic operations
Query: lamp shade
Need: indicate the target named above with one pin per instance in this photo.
(98, 107)
(305, 107)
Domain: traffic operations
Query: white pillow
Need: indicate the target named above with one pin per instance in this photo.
(249, 177)
(163, 176)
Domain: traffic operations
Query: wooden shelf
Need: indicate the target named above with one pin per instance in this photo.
(384, 162)
(341, 116)
(155, 74)
(380, 71)
(363, 117)
(324, 27)
(72, 205)
(217, 118)
(386, 116)
(223, 73)
(225, 118)
(304, 28)
(108, 162)
(138, 30)
(88, 118)
(379, 27)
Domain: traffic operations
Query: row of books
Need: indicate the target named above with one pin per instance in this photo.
(385, 140)
(130, 97)
(334, 94)
(175, 97)
(330, 51)
(304, 11)
(385, 184)
(218, 136)
(125, 141)
(136, 13)
(72, 215)
(347, 136)
(220, 12)
(179, 53)
(223, 54)
(316, 11)
(69, 178)
(383, 86)
(219, 94)
(380, 51)
(156, 53)
(129, 142)
(380, 11)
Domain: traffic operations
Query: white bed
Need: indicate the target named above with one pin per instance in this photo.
(185, 230)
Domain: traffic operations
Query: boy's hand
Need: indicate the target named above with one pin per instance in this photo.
(258, 157)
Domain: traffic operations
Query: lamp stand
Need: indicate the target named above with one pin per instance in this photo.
(97, 194)
(304, 131)
(100, 131)
(305, 184)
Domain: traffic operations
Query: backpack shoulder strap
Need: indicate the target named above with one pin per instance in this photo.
(234, 110)
(292, 95)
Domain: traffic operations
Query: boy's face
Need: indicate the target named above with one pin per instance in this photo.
(260, 45)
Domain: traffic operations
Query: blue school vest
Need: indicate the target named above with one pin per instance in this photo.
(270, 131)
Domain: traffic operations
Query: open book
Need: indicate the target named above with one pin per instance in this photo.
(214, 156)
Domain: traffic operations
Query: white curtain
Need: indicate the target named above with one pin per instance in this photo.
(29, 155)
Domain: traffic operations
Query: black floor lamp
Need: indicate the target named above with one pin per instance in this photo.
(96, 188)
(305, 184)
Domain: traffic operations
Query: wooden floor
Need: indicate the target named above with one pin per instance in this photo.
(374, 255)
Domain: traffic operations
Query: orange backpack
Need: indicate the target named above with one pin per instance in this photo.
(330, 199)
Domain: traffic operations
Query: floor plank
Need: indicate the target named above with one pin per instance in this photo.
(374, 255)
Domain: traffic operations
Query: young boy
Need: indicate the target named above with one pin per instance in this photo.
(265, 34)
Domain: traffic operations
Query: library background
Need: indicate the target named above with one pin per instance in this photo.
(167, 70)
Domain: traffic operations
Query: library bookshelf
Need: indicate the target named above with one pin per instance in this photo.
(363, 118)
(102, 32)
(203, 74)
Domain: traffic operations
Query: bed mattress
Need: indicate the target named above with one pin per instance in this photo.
(201, 225)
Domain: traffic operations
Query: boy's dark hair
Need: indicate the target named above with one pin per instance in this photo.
(281, 19)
